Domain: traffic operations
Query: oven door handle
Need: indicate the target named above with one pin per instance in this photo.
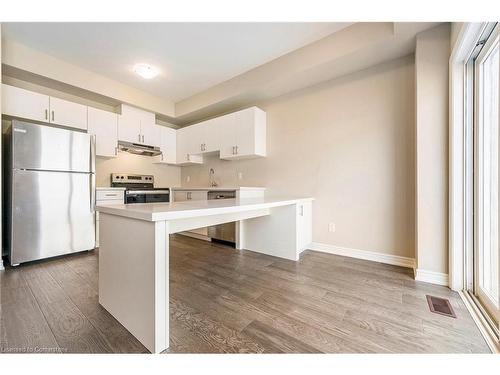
(147, 192)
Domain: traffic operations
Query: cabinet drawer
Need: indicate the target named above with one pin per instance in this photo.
(107, 195)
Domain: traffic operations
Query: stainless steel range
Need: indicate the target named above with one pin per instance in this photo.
(140, 188)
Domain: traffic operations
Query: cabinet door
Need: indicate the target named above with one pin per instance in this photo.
(180, 196)
(63, 112)
(196, 195)
(191, 139)
(129, 127)
(150, 132)
(25, 104)
(104, 125)
(208, 135)
(246, 134)
(168, 144)
(226, 128)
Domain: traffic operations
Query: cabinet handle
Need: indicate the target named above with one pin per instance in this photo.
(143, 138)
(187, 157)
(236, 148)
(53, 117)
(233, 150)
(46, 114)
(139, 137)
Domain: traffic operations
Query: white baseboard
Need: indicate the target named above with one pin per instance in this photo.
(364, 254)
(431, 277)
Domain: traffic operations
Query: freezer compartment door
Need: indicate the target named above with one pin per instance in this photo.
(52, 214)
(46, 148)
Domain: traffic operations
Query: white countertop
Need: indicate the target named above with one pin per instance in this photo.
(218, 188)
(188, 209)
(109, 188)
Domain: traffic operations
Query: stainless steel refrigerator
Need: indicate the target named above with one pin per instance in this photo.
(49, 191)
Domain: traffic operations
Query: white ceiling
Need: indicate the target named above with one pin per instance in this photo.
(191, 56)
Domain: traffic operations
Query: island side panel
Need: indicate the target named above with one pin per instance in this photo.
(275, 234)
(133, 277)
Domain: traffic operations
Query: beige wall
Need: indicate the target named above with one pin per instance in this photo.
(349, 144)
(431, 80)
(28, 63)
(165, 175)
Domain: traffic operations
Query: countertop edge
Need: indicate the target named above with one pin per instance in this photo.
(184, 214)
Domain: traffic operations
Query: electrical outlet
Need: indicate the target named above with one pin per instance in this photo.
(240, 175)
(331, 227)
(188, 178)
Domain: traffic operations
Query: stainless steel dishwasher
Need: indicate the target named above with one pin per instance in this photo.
(222, 232)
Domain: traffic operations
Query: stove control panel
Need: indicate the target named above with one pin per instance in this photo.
(132, 178)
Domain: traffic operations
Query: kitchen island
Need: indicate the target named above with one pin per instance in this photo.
(134, 250)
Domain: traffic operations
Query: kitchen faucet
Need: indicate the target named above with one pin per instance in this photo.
(211, 178)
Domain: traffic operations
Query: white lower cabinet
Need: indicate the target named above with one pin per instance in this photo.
(104, 125)
(192, 195)
(304, 224)
(107, 197)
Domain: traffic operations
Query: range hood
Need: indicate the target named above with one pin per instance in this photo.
(138, 149)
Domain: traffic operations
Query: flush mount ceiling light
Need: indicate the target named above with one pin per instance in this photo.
(146, 71)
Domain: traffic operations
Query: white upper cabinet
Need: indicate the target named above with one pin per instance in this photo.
(150, 132)
(104, 125)
(207, 136)
(238, 135)
(63, 112)
(244, 134)
(129, 125)
(25, 104)
(138, 126)
(187, 149)
(31, 105)
(168, 145)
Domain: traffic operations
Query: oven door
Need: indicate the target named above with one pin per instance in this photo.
(157, 197)
(134, 198)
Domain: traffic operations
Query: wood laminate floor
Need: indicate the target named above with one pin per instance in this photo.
(227, 301)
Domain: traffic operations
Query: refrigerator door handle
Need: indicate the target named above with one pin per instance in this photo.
(92, 153)
(92, 174)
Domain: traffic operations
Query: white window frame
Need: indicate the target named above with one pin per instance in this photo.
(461, 187)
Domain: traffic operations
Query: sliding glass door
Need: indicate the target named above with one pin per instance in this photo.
(485, 267)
